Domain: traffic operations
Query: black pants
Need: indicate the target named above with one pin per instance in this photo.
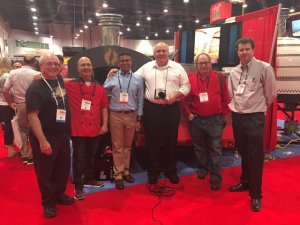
(7, 113)
(52, 171)
(83, 163)
(248, 132)
(161, 129)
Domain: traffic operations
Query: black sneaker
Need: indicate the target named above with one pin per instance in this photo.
(49, 212)
(25, 160)
(79, 195)
(65, 200)
(29, 161)
(94, 183)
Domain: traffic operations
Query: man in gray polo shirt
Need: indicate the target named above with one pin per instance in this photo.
(19, 80)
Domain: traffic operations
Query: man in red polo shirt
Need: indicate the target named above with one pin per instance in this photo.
(89, 115)
(206, 107)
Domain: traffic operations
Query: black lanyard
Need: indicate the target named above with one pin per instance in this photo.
(81, 81)
(207, 85)
(166, 78)
(130, 75)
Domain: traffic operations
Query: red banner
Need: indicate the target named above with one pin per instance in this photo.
(220, 11)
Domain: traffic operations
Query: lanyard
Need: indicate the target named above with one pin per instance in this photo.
(166, 78)
(53, 94)
(130, 75)
(207, 85)
(81, 92)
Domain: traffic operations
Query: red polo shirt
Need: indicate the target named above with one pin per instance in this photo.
(217, 101)
(86, 123)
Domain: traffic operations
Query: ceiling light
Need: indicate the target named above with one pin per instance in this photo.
(34, 17)
(36, 28)
(81, 31)
(186, 1)
(146, 37)
(156, 34)
(180, 26)
(86, 26)
(90, 21)
(34, 24)
(104, 5)
(97, 14)
(245, 5)
(167, 31)
(197, 20)
(51, 36)
(292, 10)
(120, 33)
(166, 10)
(138, 24)
(36, 32)
(148, 18)
(128, 29)
(33, 9)
(77, 35)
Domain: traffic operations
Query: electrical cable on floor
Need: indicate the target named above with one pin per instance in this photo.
(161, 190)
(285, 146)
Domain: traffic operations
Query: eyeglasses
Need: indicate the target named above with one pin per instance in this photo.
(203, 63)
(52, 64)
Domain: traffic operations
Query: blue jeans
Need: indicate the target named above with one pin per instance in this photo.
(206, 135)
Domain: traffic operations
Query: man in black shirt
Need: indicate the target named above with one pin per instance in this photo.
(49, 118)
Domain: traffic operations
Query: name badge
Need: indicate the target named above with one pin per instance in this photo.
(203, 97)
(240, 89)
(60, 116)
(86, 105)
(124, 98)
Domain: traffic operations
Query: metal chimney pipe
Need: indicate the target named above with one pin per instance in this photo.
(110, 25)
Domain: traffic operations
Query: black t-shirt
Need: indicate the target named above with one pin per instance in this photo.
(40, 97)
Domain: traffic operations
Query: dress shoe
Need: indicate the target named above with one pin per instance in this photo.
(215, 185)
(119, 184)
(64, 200)
(239, 187)
(173, 178)
(201, 174)
(256, 204)
(152, 179)
(49, 212)
(128, 178)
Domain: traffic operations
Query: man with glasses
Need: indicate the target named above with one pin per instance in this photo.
(206, 107)
(126, 100)
(49, 118)
(252, 89)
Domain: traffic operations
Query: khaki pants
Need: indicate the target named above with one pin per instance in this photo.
(24, 129)
(122, 128)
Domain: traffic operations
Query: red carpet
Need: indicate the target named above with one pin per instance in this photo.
(196, 204)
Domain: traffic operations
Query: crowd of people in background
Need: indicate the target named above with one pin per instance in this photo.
(53, 109)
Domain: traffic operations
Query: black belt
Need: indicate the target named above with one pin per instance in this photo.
(125, 112)
(207, 117)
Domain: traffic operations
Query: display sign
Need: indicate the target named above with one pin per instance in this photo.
(220, 11)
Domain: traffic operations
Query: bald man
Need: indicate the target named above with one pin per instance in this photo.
(89, 109)
(166, 83)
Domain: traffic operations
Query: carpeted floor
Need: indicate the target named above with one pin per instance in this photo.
(192, 204)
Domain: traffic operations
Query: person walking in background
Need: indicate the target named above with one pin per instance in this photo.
(19, 80)
(206, 107)
(49, 118)
(252, 89)
(6, 112)
(126, 99)
(88, 104)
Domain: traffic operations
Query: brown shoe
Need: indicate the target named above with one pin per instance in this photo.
(119, 184)
(128, 178)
